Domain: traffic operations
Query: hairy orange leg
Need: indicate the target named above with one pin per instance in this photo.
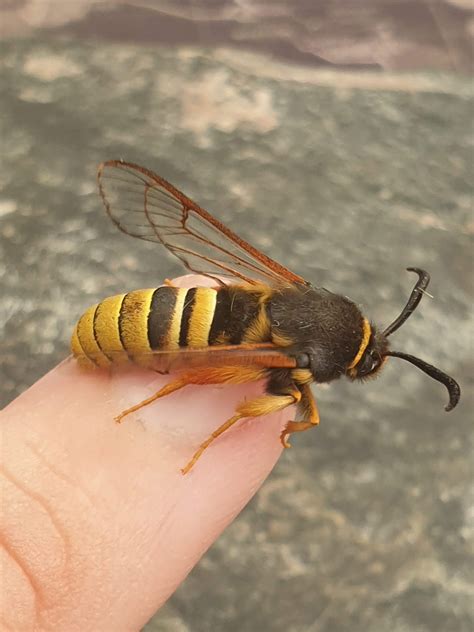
(263, 405)
(166, 390)
(311, 416)
(223, 375)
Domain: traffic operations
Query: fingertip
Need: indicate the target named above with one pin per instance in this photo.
(154, 515)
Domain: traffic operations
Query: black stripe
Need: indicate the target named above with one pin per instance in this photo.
(161, 311)
(86, 333)
(110, 356)
(221, 315)
(120, 321)
(186, 316)
(244, 309)
(94, 332)
(96, 337)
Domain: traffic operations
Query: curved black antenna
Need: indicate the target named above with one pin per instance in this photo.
(452, 386)
(412, 304)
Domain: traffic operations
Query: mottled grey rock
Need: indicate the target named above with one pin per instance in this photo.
(389, 34)
(367, 524)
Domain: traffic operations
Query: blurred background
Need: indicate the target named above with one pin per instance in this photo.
(337, 137)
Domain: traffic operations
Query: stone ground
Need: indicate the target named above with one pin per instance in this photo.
(388, 34)
(367, 524)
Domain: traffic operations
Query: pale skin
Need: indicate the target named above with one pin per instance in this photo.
(98, 524)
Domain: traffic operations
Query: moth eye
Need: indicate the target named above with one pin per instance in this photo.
(302, 361)
(368, 365)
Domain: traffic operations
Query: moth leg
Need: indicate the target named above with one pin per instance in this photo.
(166, 390)
(263, 405)
(229, 375)
(310, 416)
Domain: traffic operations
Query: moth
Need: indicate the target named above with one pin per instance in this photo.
(264, 323)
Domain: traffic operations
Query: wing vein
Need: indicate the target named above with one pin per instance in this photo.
(202, 243)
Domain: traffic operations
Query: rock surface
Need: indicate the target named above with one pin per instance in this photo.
(384, 34)
(367, 524)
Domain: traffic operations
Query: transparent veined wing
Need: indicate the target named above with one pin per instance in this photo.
(144, 205)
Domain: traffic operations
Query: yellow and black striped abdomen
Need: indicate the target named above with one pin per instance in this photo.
(128, 326)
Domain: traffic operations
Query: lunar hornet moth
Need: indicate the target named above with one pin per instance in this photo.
(264, 323)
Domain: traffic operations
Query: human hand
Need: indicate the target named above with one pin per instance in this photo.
(99, 526)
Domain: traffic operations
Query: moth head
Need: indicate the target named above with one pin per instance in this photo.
(375, 350)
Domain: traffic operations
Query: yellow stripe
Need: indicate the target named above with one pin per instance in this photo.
(302, 376)
(86, 337)
(281, 340)
(260, 329)
(172, 338)
(107, 328)
(76, 348)
(201, 317)
(78, 351)
(363, 345)
(134, 321)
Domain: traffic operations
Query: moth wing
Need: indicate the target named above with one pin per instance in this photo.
(144, 205)
(264, 355)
